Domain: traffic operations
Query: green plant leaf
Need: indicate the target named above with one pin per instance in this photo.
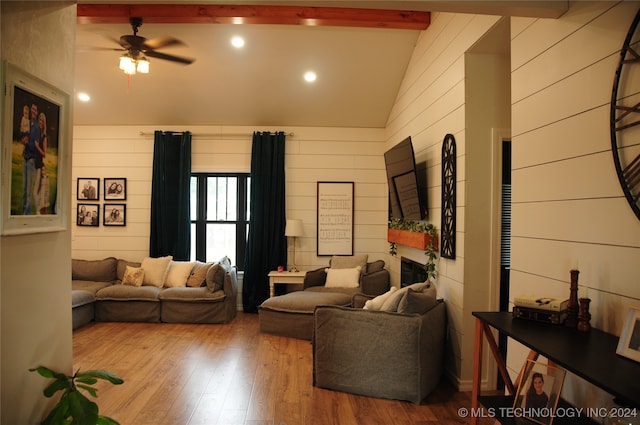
(90, 390)
(59, 414)
(62, 384)
(83, 410)
(99, 374)
(48, 373)
(105, 420)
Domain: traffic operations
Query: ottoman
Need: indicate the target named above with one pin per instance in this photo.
(291, 315)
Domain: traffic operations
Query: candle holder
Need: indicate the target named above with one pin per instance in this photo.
(572, 307)
(583, 315)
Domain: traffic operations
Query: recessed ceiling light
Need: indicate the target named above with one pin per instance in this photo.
(237, 42)
(83, 97)
(310, 76)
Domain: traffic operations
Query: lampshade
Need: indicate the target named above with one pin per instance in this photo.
(293, 228)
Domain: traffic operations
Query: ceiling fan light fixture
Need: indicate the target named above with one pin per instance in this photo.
(142, 66)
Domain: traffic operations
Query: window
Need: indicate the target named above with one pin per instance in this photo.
(219, 216)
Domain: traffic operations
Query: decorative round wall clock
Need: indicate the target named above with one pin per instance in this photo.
(448, 218)
(625, 117)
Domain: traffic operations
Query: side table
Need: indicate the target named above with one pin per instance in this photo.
(289, 278)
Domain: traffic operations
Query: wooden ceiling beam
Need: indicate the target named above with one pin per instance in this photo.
(246, 14)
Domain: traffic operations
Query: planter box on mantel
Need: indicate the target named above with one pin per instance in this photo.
(413, 239)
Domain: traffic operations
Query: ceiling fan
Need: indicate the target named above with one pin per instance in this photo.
(137, 48)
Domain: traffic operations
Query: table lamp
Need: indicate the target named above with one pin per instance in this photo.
(293, 229)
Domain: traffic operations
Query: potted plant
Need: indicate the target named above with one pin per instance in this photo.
(74, 407)
(417, 234)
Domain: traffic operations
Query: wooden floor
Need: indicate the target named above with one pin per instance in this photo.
(231, 374)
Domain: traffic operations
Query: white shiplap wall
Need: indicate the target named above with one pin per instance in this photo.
(568, 207)
(431, 103)
(312, 155)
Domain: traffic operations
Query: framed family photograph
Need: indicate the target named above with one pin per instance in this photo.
(88, 215)
(35, 144)
(88, 189)
(115, 189)
(115, 215)
(539, 391)
(629, 342)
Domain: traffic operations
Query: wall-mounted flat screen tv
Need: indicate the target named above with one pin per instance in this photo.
(404, 194)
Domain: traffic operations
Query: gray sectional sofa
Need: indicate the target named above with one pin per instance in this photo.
(155, 290)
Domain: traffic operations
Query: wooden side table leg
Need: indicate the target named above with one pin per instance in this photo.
(272, 289)
(477, 372)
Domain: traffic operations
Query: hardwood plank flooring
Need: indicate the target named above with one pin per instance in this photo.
(231, 374)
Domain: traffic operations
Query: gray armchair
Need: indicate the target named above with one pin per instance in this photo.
(378, 353)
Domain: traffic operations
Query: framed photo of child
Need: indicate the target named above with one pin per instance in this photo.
(539, 392)
(115, 215)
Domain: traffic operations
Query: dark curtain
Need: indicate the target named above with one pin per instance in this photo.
(266, 245)
(170, 219)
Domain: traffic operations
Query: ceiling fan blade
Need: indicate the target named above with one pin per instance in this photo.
(159, 42)
(158, 55)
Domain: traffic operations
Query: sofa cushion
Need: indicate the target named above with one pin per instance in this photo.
(378, 301)
(128, 293)
(89, 285)
(215, 277)
(80, 297)
(418, 302)
(122, 266)
(155, 270)
(187, 294)
(343, 278)
(96, 270)
(349, 262)
(375, 266)
(198, 274)
(305, 301)
(391, 303)
(178, 274)
(133, 276)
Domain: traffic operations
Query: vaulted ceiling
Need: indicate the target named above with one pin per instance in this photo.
(359, 55)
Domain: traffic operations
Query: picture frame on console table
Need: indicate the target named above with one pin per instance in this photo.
(36, 193)
(335, 218)
(539, 392)
(629, 342)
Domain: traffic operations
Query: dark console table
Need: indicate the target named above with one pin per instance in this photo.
(591, 355)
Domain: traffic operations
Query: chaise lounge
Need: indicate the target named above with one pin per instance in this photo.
(291, 315)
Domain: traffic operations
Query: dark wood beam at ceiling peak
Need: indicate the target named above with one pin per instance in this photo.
(253, 14)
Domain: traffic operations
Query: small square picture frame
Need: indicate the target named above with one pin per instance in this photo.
(629, 342)
(539, 391)
(115, 189)
(88, 189)
(115, 214)
(88, 215)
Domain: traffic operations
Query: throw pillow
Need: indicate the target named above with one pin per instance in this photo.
(343, 278)
(417, 302)
(178, 274)
(375, 266)
(155, 270)
(215, 277)
(133, 276)
(198, 275)
(391, 303)
(377, 302)
(349, 261)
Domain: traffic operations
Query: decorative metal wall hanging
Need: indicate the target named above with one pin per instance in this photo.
(448, 218)
(624, 118)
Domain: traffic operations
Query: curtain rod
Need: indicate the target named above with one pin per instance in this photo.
(145, 133)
